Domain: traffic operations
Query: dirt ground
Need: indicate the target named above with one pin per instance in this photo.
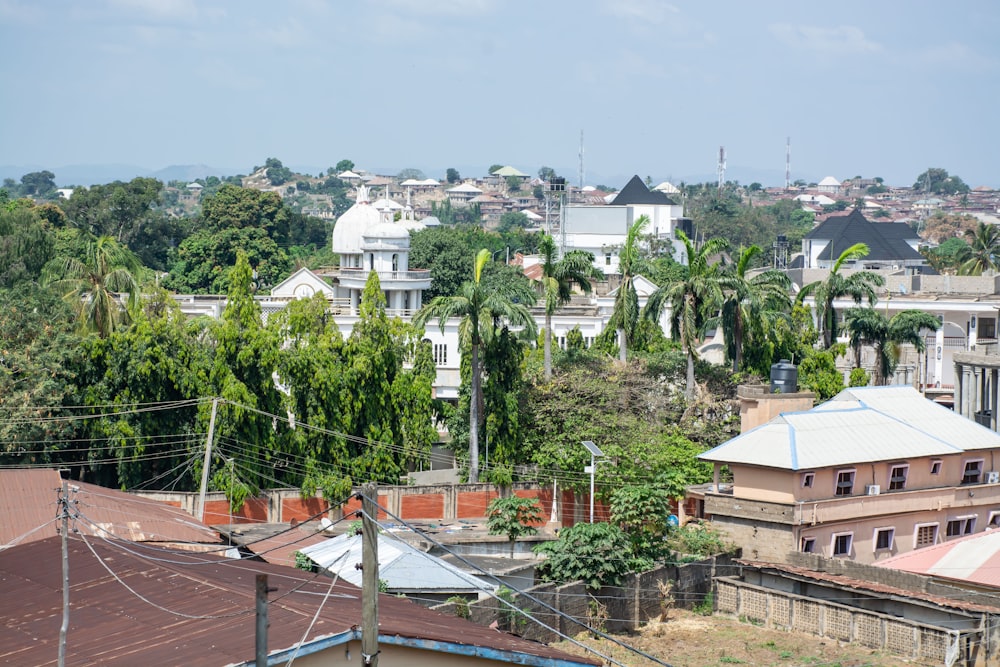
(691, 640)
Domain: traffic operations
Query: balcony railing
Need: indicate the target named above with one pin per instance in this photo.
(362, 274)
(896, 502)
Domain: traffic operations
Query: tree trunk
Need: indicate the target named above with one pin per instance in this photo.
(737, 341)
(548, 346)
(474, 418)
(690, 376)
(622, 346)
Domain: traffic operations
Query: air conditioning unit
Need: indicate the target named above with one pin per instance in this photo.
(873, 489)
(993, 477)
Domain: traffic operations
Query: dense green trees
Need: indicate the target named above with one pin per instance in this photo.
(938, 181)
(984, 250)
(25, 246)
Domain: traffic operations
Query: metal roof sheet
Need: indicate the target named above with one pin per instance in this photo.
(28, 504)
(973, 558)
(402, 566)
(204, 613)
(888, 423)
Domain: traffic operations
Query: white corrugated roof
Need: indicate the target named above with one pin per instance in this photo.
(857, 426)
(403, 567)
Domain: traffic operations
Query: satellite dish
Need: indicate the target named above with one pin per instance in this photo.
(325, 524)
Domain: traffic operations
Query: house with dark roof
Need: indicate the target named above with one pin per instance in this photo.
(135, 604)
(891, 245)
(601, 228)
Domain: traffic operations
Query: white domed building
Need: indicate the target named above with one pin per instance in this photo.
(367, 239)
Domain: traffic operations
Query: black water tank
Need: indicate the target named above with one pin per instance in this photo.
(784, 377)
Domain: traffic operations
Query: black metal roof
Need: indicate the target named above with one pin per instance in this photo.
(636, 192)
(885, 240)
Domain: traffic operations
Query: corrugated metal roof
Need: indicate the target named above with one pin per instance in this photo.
(857, 426)
(111, 626)
(908, 405)
(973, 558)
(864, 585)
(403, 567)
(28, 500)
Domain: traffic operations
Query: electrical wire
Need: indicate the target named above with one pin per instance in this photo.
(333, 582)
(518, 610)
(150, 602)
(20, 537)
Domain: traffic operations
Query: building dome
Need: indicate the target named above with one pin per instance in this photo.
(385, 231)
(351, 226)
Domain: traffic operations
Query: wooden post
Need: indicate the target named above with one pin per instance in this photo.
(369, 575)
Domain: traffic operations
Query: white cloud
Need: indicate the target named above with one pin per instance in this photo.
(955, 54)
(841, 40)
(167, 10)
(642, 11)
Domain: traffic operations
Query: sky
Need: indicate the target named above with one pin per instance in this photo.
(884, 88)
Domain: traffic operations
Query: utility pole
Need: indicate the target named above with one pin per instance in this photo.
(64, 515)
(260, 646)
(369, 575)
(208, 460)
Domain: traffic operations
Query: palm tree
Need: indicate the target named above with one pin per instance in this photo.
(626, 311)
(558, 277)
(751, 303)
(481, 307)
(858, 286)
(691, 299)
(90, 281)
(886, 336)
(984, 250)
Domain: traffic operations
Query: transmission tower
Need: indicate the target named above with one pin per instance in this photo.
(788, 163)
(722, 166)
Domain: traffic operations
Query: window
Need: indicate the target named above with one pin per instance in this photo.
(842, 544)
(808, 545)
(845, 483)
(440, 354)
(963, 525)
(897, 477)
(936, 467)
(994, 519)
(607, 259)
(987, 328)
(926, 535)
(883, 538)
(973, 472)
(807, 479)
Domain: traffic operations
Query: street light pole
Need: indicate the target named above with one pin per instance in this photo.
(595, 451)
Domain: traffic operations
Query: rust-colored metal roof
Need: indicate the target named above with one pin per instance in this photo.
(28, 507)
(197, 609)
(871, 586)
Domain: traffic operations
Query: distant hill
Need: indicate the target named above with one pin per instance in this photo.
(92, 174)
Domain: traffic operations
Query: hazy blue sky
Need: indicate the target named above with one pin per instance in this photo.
(882, 88)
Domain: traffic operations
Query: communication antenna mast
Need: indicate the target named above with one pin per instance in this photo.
(581, 160)
(722, 166)
(788, 163)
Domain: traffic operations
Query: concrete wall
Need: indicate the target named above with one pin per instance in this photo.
(627, 606)
(759, 406)
(443, 502)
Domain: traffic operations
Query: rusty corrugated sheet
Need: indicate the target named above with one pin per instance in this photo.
(28, 500)
(110, 625)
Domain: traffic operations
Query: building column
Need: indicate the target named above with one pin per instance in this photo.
(939, 356)
(975, 400)
(973, 337)
(960, 393)
(994, 403)
(354, 302)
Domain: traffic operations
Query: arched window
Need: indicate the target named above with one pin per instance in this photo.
(371, 261)
(395, 262)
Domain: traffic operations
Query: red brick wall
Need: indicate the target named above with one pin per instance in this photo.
(354, 505)
(472, 504)
(302, 509)
(544, 498)
(254, 510)
(422, 506)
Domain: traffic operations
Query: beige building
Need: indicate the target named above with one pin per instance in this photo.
(875, 472)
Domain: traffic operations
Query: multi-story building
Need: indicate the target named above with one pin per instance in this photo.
(875, 472)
